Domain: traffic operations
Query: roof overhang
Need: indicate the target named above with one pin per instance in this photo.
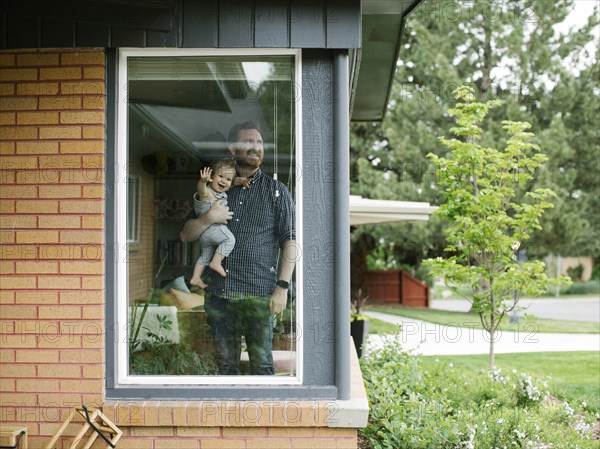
(375, 63)
(366, 211)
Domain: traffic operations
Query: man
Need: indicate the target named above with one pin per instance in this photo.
(260, 267)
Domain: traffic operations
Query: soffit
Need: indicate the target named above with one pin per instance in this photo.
(375, 63)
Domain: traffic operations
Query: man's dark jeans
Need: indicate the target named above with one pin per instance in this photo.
(230, 320)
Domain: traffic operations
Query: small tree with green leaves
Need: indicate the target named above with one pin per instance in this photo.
(488, 214)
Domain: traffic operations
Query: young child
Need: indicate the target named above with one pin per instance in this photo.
(217, 241)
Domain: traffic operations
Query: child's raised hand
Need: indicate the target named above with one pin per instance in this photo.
(205, 174)
(246, 182)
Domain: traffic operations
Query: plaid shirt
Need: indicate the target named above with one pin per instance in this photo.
(262, 222)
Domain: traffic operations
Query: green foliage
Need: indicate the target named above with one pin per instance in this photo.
(488, 216)
(172, 360)
(160, 356)
(382, 258)
(433, 405)
(573, 375)
(575, 273)
(512, 51)
(584, 288)
(405, 411)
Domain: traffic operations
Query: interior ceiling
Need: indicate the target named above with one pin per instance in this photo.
(187, 94)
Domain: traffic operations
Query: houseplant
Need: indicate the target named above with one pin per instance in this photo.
(157, 354)
(359, 322)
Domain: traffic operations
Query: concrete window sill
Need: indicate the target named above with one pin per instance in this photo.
(352, 413)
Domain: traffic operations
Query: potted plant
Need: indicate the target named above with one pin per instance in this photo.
(359, 323)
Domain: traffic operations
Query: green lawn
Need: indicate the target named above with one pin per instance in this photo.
(529, 323)
(574, 376)
(382, 327)
(588, 289)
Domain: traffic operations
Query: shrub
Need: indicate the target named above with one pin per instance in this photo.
(596, 272)
(432, 405)
(583, 288)
(575, 273)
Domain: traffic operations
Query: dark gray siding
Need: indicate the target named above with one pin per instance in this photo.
(180, 23)
(319, 254)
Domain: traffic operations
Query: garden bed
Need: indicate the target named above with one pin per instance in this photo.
(429, 404)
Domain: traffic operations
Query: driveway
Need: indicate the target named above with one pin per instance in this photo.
(575, 309)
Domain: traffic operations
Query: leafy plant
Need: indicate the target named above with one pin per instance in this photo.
(158, 355)
(161, 356)
(488, 215)
(422, 403)
(135, 325)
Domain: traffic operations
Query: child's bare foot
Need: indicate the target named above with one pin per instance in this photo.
(198, 283)
(215, 266)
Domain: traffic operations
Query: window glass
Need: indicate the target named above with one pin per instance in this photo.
(200, 130)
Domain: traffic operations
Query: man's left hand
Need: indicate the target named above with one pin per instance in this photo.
(278, 300)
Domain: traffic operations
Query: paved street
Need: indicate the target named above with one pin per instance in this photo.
(576, 309)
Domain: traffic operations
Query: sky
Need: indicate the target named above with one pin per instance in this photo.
(583, 9)
(578, 17)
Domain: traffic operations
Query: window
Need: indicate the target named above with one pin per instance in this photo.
(175, 115)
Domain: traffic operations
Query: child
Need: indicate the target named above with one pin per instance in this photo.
(217, 241)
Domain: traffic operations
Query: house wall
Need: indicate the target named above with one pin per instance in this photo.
(181, 23)
(52, 262)
(141, 260)
(51, 234)
(574, 262)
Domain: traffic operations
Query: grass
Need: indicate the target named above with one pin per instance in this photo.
(574, 376)
(528, 323)
(579, 289)
(382, 327)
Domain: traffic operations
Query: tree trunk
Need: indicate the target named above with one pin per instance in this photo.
(485, 82)
(492, 336)
(492, 331)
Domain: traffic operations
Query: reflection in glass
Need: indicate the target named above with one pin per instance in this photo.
(180, 112)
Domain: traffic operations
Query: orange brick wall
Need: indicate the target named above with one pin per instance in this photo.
(52, 126)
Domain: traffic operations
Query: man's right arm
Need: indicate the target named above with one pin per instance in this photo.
(194, 227)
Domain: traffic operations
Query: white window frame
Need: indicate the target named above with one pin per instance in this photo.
(120, 299)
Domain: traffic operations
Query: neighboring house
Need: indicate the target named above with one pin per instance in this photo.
(107, 110)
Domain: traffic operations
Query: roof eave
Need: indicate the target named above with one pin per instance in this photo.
(374, 64)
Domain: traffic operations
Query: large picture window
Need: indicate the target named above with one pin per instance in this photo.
(207, 297)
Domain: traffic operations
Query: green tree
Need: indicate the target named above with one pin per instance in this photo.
(487, 217)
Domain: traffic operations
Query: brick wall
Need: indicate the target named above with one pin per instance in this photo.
(52, 105)
(52, 114)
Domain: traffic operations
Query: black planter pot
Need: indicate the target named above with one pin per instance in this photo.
(358, 331)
